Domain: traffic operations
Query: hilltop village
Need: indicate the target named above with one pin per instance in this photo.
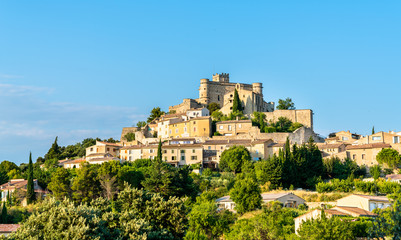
(193, 135)
(226, 165)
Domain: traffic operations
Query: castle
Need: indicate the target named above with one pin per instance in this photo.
(221, 91)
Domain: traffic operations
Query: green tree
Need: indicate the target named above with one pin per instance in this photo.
(30, 191)
(4, 216)
(388, 221)
(159, 156)
(205, 221)
(6, 166)
(286, 104)
(155, 113)
(141, 124)
(246, 195)
(324, 228)
(159, 178)
(375, 171)
(373, 130)
(259, 120)
(237, 106)
(129, 136)
(54, 151)
(390, 157)
(60, 184)
(269, 170)
(107, 174)
(86, 185)
(3, 177)
(212, 107)
(234, 158)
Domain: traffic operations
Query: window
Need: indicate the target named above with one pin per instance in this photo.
(363, 156)
(396, 139)
(164, 151)
(183, 151)
(194, 157)
(239, 125)
(172, 151)
(345, 138)
(108, 149)
(354, 156)
(229, 127)
(176, 130)
(193, 150)
(173, 158)
(185, 129)
(150, 150)
(218, 97)
(194, 129)
(376, 138)
(91, 149)
(129, 152)
(130, 158)
(221, 127)
(182, 158)
(209, 147)
(170, 131)
(165, 158)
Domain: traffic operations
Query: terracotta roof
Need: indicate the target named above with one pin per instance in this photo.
(103, 159)
(394, 176)
(277, 145)
(183, 139)
(375, 198)
(111, 144)
(369, 146)
(355, 211)
(274, 196)
(8, 228)
(335, 212)
(228, 142)
(234, 121)
(77, 160)
(325, 146)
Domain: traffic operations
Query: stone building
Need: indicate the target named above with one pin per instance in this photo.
(220, 90)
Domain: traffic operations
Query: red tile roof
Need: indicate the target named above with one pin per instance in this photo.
(369, 146)
(8, 228)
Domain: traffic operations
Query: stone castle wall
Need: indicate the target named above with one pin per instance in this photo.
(304, 116)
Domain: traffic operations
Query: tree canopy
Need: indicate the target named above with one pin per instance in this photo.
(390, 157)
(286, 104)
(155, 113)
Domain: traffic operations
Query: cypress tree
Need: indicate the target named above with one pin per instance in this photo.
(159, 151)
(373, 130)
(3, 217)
(8, 198)
(237, 106)
(30, 191)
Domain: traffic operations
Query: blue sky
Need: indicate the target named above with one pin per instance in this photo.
(78, 69)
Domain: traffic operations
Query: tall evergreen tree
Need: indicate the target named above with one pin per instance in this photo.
(30, 191)
(9, 201)
(373, 130)
(54, 152)
(3, 217)
(237, 106)
(159, 152)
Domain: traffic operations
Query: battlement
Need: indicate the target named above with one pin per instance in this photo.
(223, 77)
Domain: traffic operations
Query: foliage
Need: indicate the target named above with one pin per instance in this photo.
(269, 170)
(390, 157)
(60, 183)
(388, 223)
(259, 120)
(286, 104)
(129, 136)
(30, 191)
(237, 105)
(324, 228)
(275, 222)
(141, 124)
(155, 113)
(86, 185)
(53, 153)
(4, 216)
(206, 221)
(234, 158)
(335, 168)
(212, 107)
(246, 195)
(375, 171)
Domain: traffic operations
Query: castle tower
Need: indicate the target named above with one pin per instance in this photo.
(204, 91)
(223, 77)
(257, 88)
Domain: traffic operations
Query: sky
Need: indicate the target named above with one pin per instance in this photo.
(79, 69)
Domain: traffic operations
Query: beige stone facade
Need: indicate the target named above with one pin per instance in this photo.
(365, 154)
(102, 148)
(175, 154)
(234, 127)
(329, 150)
(343, 137)
(365, 202)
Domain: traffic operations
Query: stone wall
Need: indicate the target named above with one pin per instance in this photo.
(186, 104)
(304, 116)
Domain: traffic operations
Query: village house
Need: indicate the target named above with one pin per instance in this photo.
(20, 185)
(331, 149)
(7, 229)
(365, 202)
(365, 154)
(101, 148)
(234, 127)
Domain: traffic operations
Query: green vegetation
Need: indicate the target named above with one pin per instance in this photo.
(390, 157)
(30, 191)
(212, 107)
(155, 113)
(129, 136)
(286, 104)
(237, 105)
(141, 124)
(283, 124)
